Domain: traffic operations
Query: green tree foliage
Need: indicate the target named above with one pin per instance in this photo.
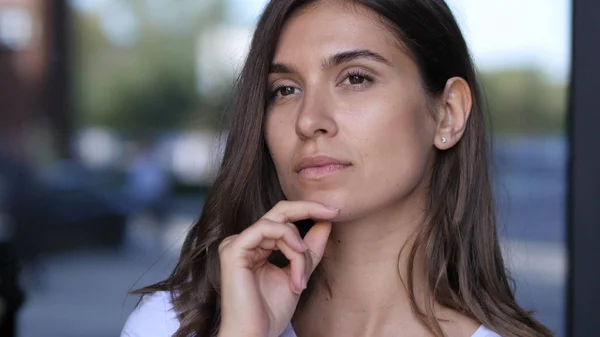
(524, 101)
(150, 85)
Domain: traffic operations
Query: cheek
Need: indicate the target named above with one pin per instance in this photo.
(399, 124)
(397, 143)
(280, 144)
(273, 137)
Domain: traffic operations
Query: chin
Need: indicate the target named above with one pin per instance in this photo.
(327, 198)
(348, 209)
(345, 217)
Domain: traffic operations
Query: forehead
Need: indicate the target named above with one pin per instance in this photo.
(326, 27)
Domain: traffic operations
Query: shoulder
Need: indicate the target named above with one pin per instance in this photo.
(485, 332)
(153, 317)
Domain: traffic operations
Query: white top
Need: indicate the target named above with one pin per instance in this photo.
(155, 317)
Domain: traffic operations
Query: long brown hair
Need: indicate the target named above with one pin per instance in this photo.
(458, 241)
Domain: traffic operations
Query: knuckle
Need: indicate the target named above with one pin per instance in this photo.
(293, 227)
(225, 244)
(263, 224)
(282, 203)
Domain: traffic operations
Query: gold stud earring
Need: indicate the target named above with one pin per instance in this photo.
(444, 140)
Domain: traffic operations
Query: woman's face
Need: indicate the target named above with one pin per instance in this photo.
(348, 123)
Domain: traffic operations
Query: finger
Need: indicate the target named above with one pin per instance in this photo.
(294, 228)
(297, 266)
(316, 240)
(226, 242)
(290, 211)
(268, 244)
(271, 244)
(266, 229)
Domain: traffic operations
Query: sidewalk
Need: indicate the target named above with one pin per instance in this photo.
(85, 294)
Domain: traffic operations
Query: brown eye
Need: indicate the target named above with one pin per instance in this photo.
(356, 79)
(285, 91)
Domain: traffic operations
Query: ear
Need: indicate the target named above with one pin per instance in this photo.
(453, 113)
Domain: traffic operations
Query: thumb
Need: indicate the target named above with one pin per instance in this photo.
(316, 240)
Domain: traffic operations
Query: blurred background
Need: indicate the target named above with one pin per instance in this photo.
(110, 131)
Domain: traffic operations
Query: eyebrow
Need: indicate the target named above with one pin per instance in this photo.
(351, 55)
(334, 60)
(281, 68)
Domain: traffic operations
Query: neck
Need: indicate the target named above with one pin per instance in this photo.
(365, 258)
(365, 268)
(366, 278)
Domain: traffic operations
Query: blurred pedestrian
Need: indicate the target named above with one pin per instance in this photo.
(147, 187)
(148, 182)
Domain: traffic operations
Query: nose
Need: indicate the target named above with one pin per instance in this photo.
(316, 116)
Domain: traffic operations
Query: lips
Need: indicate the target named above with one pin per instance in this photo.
(320, 164)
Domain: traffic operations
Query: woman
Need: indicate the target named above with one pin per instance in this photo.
(365, 118)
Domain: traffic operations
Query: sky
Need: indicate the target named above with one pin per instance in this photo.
(501, 34)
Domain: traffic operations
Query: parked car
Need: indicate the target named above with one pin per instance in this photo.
(69, 207)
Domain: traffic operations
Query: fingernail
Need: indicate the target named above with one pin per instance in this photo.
(332, 208)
